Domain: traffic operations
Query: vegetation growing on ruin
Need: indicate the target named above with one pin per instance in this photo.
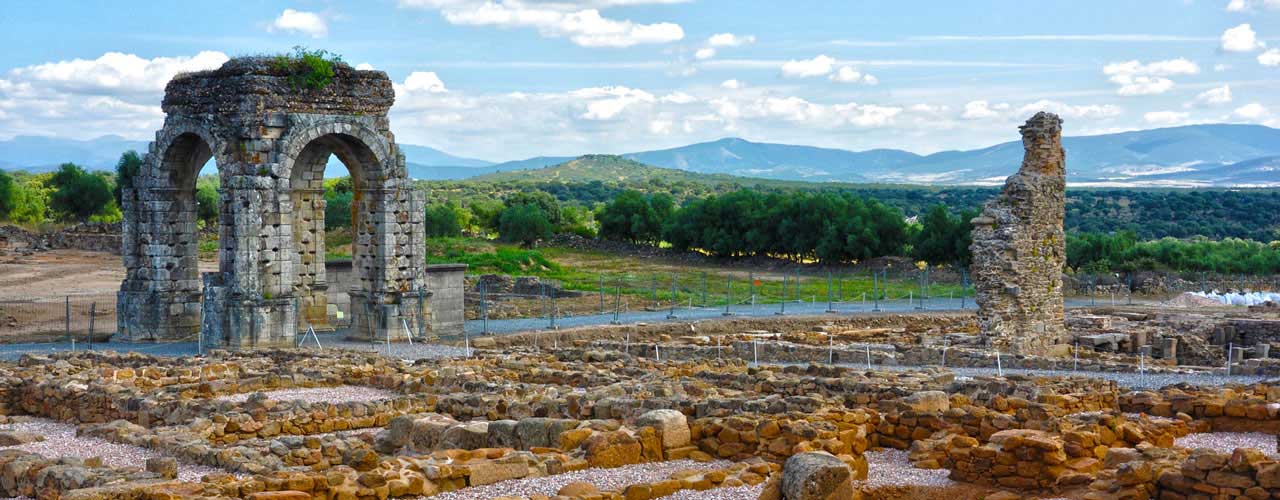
(307, 68)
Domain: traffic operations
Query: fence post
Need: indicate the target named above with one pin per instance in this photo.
(920, 282)
(728, 294)
(92, 313)
(484, 308)
(617, 303)
(830, 305)
(782, 304)
(1130, 289)
(751, 286)
(601, 294)
(653, 290)
(964, 285)
(797, 280)
(675, 280)
(68, 322)
(704, 289)
(875, 291)
(552, 310)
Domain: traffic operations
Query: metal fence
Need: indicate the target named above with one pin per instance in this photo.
(79, 317)
(619, 298)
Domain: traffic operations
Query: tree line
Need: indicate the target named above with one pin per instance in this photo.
(830, 227)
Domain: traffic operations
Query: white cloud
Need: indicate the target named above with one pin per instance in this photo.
(606, 103)
(114, 94)
(364, 67)
(705, 53)
(1269, 58)
(732, 84)
(1165, 118)
(976, 110)
(730, 40)
(1218, 68)
(1248, 5)
(1089, 111)
(807, 68)
(117, 72)
(424, 81)
(577, 20)
(661, 127)
(847, 74)
(1136, 78)
(678, 97)
(1241, 39)
(298, 21)
(1216, 95)
(1251, 111)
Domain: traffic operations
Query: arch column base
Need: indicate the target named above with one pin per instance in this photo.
(157, 316)
(236, 323)
(382, 317)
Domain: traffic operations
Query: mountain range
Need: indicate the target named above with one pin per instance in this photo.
(1211, 155)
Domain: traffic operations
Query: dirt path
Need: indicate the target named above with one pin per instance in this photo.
(59, 273)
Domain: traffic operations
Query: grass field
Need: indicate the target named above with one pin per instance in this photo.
(652, 278)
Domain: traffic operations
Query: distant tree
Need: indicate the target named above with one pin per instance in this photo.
(577, 219)
(635, 217)
(337, 209)
(127, 168)
(541, 200)
(524, 224)
(442, 220)
(8, 191)
(207, 199)
(77, 194)
(30, 201)
(485, 214)
(944, 238)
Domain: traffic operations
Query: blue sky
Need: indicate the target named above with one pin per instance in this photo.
(509, 79)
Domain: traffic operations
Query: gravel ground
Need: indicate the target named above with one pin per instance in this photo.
(891, 468)
(736, 493)
(340, 394)
(402, 350)
(60, 441)
(604, 479)
(1127, 380)
(1227, 442)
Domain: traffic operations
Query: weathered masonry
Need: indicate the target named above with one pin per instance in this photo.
(1019, 247)
(270, 140)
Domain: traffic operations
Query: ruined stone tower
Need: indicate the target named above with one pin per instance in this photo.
(270, 138)
(1019, 247)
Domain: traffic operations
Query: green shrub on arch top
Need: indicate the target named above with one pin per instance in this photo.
(309, 69)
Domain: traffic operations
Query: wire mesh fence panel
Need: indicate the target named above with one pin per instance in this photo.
(58, 318)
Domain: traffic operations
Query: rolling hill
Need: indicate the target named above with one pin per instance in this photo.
(606, 168)
(1190, 156)
(1219, 155)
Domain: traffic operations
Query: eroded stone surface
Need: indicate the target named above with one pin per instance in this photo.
(270, 139)
(1019, 247)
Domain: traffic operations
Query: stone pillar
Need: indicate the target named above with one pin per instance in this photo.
(448, 294)
(1019, 247)
(1169, 348)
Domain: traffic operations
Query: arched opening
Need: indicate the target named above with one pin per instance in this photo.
(326, 205)
(171, 240)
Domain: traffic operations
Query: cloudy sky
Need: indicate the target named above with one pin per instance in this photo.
(510, 79)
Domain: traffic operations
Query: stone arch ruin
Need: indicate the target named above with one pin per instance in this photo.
(270, 140)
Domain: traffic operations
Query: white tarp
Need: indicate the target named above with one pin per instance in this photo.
(1240, 299)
